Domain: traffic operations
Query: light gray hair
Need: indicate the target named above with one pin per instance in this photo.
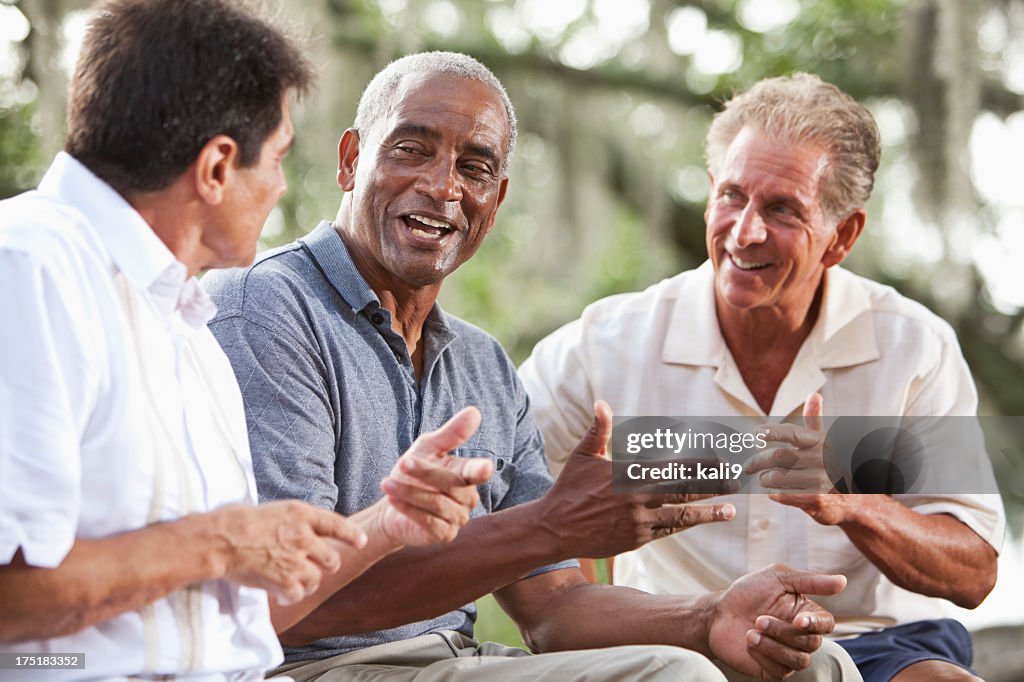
(379, 96)
(803, 109)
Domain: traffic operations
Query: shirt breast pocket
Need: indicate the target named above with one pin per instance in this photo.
(493, 491)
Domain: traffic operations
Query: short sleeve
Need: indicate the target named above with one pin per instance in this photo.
(946, 392)
(562, 398)
(47, 387)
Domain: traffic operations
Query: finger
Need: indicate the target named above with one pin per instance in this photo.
(794, 479)
(472, 470)
(595, 441)
(813, 410)
(325, 554)
(451, 435)
(795, 500)
(788, 634)
(777, 660)
(333, 525)
(814, 619)
(776, 458)
(797, 436)
(655, 500)
(429, 501)
(435, 528)
(677, 517)
(433, 477)
(809, 582)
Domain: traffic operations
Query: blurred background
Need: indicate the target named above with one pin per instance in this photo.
(608, 184)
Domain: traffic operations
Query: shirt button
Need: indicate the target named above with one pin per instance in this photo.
(377, 318)
(763, 525)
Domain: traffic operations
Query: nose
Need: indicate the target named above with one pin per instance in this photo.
(749, 228)
(440, 180)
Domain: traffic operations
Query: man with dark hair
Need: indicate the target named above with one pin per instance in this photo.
(129, 536)
(344, 356)
(770, 328)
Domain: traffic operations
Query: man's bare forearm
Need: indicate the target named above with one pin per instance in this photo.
(931, 554)
(354, 562)
(583, 615)
(490, 552)
(102, 578)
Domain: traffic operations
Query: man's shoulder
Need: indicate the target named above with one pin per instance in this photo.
(276, 281)
(475, 339)
(41, 226)
(891, 308)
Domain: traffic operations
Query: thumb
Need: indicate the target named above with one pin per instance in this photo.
(813, 410)
(449, 436)
(595, 442)
(810, 582)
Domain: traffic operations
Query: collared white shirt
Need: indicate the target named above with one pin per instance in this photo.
(118, 409)
(660, 352)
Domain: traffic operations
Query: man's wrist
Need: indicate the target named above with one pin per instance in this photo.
(372, 521)
(703, 613)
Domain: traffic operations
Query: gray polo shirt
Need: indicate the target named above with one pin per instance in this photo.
(331, 398)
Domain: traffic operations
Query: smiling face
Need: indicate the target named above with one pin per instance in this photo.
(768, 236)
(425, 183)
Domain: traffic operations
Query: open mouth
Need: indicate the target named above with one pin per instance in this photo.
(747, 264)
(427, 228)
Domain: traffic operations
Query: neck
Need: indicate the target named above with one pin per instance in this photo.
(764, 342)
(408, 304)
(170, 214)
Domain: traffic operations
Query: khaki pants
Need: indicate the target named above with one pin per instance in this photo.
(830, 662)
(453, 657)
(450, 656)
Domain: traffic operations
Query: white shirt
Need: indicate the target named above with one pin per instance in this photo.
(660, 352)
(118, 409)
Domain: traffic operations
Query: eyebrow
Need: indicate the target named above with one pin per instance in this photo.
(434, 135)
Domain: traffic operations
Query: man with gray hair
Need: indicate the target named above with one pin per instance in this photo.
(768, 328)
(344, 356)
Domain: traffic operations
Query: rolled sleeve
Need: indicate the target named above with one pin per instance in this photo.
(46, 388)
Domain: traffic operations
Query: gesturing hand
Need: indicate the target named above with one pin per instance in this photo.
(798, 472)
(593, 521)
(763, 625)
(431, 493)
(283, 547)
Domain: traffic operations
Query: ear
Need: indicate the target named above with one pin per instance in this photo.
(847, 231)
(501, 197)
(214, 168)
(348, 157)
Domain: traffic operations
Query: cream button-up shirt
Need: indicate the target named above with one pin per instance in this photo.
(118, 410)
(660, 352)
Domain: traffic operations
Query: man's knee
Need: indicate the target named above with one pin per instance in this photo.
(830, 662)
(934, 671)
(652, 663)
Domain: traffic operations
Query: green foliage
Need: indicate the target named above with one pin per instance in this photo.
(19, 150)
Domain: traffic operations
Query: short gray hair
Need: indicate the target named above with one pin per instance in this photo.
(378, 97)
(802, 109)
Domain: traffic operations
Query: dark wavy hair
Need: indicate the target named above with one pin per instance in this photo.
(157, 79)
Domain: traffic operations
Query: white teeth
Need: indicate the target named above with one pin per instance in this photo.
(748, 265)
(431, 222)
(428, 235)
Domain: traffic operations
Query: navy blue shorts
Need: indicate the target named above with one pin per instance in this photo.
(880, 655)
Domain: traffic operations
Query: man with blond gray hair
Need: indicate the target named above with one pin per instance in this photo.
(770, 328)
